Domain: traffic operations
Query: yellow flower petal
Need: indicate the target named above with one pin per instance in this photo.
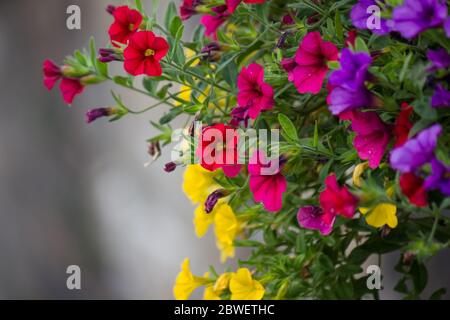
(359, 170)
(186, 282)
(210, 294)
(243, 287)
(223, 282)
(202, 220)
(226, 229)
(199, 183)
(381, 214)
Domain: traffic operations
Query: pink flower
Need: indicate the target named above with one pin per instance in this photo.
(254, 94)
(372, 135)
(312, 217)
(69, 87)
(336, 200)
(233, 4)
(311, 61)
(213, 22)
(267, 183)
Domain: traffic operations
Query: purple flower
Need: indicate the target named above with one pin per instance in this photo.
(94, 114)
(447, 27)
(416, 16)
(239, 114)
(416, 151)
(312, 217)
(439, 178)
(441, 98)
(440, 59)
(360, 17)
(348, 83)
(107, 55)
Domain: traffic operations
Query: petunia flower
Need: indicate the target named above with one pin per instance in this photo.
(254, 94)
(144, 53)
(415, 16)
(186, 282)
(403, 125)
(244, 287)
(126, 22)
(413, 188)
(267, 187)
(312, 217)
(188, 8)
(372, 136)
(218, 149)
(348, 83)
(239, 115)
(360, 17)
(310, 68)
(439, 178)
(440, 98)
(336, 200)
(233, 4)
(213, 22)
(440, 59)
(416, 151)
(69, 87)
(380, 215)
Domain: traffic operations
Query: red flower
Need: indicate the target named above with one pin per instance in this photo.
(218, 148)
(143, 54)
(126, 23)
(351, 38)
(213, 22)
(187, 8)
(69, 87)
(311, 60)
(403, 125)
(233, 4)
(254, 94)
(336, 200)
(412, 187)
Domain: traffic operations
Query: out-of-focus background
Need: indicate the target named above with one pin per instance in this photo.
(72, 193)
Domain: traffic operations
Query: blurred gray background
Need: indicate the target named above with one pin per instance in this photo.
(72, 193)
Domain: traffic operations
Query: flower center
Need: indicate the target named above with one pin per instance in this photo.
(149, 52)
(131, 27)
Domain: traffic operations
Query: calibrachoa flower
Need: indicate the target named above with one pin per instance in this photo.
(144, 53)
(372, 135)
(186, 282)
(312, 217)
(403, 125)
(188, 8)
(199, 183)
(440, 98)
(357, 173)
(126, 23)
(244, 287)
(69, 87)
(218, 149)
(233, 4)
(348, 83)
(213, 22)
(416, 151)
(226, 228)
(267, 187)
(416, 16)
(413, 188)
(440, 59)
(310, 67)
(336, 200)
(222, 283)
(382, 214)
(360, 17)
(439, 178)
(254, 94)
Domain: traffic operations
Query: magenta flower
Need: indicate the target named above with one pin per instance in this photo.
(213, 22)
(360, 17)
(372, 135)
(416, 16)
(440, 59)
(416, 151)
(233, 4)
(440, 98)
(239, 115)
(312, 217)
(267, 183)
(440, 177)
(254, 94)
(310, 68)
(188, 8)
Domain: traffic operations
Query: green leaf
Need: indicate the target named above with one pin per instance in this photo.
(360, 45)
(288, 127)
(338, 26)
(171, 12)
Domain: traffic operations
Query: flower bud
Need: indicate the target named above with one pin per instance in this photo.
(110, 9)
(170, 167)
(107, 55)
(211, 52)
(212, 199)
(94, 114)
(154, 149)
(91, 79)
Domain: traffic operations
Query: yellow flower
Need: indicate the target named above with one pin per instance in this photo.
(186, 282)
(227, 227)
(381, 214)
(221, 284)
(210, 294)
(189, 53)
(243, 287)
(359, 170)
(203, 220)
(199, 183)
